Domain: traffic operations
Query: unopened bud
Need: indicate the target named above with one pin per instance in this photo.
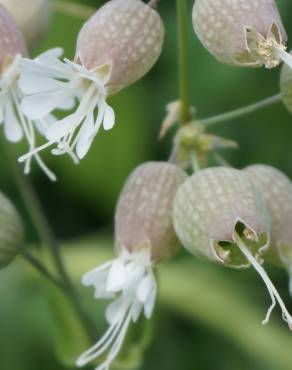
(128, 34)
(286, 87)
(220, 214)
(11, 40)
(144, 211)
(11, 232)
(207, 209)
(31, 16)
(245, 33)
(277, 190)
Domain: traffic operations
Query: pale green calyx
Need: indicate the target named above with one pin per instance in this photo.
(11, 231)
(209, 206)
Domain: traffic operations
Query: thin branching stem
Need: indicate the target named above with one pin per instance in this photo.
(241, 111)
(182, 22)
(34, 262)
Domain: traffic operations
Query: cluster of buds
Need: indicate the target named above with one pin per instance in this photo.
(144, 236)
(245, 33)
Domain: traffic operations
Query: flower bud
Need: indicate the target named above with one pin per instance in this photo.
(11, 232)
(144, 210)
(144, 235)
(286, 87)
(220, 214)
(11, 40)
(210, 204)
(31, 16)
(277, 190)
(128, 34)
(246, 33)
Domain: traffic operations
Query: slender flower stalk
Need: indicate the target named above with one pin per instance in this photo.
(182, 17)
(45, 233)
(237, 113)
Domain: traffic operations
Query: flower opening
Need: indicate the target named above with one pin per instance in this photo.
(129, 280)
(51, 84)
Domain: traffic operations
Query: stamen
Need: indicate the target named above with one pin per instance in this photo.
(28, 130)
(115, 334)
(284, 56)
(270, 286)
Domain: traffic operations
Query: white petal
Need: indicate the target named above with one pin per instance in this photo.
(145, 288)
(54, 52)
(33, 66)
(117, 276)
(59, 129)
(68, 104)
(114, 310)
(136, 310)
(12, 128)
(40, 105)
(31, 83)
(109, 118)
(149, 305)
(86, 136)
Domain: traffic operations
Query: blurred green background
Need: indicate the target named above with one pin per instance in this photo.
(208, 317)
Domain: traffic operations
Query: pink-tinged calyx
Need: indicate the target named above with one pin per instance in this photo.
(144, 211)
(128, 35)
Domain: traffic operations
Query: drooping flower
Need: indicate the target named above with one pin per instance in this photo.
(144, 236)
(16, 125)
(219, 214)
(117, 46)
(277, 190)
(31, 16)
(245, 33)
(11, 231)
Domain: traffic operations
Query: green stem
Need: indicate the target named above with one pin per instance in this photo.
(40, 267)
(182, 18)
(45, 234)
(87, 323)
(80, 11)
(241, 111)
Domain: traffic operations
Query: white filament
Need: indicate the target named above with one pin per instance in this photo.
(284, 56)
(270, 286)
(16, 125)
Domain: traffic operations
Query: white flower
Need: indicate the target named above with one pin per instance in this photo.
(130, 281)
(51, 84)
(16, 125)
